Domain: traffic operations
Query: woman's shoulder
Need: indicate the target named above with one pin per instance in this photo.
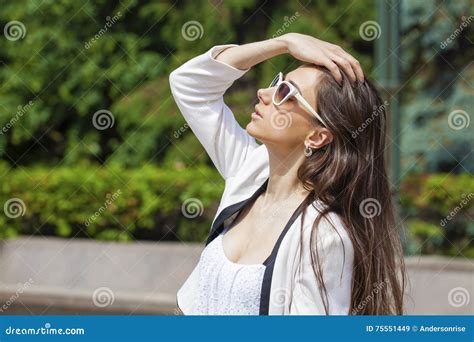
(331, 230)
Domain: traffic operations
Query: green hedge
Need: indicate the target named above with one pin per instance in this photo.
(108, 202)
(439, 210)
(115, 203)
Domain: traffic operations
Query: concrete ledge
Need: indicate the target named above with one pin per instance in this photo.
(72, 276)
(439, 263)
(40, 299)
(440, 286)
(52, 273)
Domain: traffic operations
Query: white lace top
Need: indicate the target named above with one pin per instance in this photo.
(226, 287)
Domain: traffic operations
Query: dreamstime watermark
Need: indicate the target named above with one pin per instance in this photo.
(14, 30)
(109, 23)
(376, 112)
(280, 297)
(14, 207)
(458, 119)
(19, 113)
(192, 30)
(180, 131)
(458, 208)
(192, 208)
(103, 207)
(377, 288)
(464, 23)
(287, 21)
(370, 30)
(46, 330)
(102, 297)
(16, 295)
(370, 207)
(281, 120)
(103, 119)
(459, 296)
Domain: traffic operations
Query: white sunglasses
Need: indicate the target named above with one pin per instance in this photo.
(284, 90)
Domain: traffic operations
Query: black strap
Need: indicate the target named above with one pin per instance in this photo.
(227, 212)
(270, 261)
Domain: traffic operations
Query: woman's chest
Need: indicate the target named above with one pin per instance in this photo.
(252, 235)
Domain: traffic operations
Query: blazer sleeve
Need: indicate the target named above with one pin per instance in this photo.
(336, 258)
(198, 87)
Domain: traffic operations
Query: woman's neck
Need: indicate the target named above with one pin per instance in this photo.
(283, 180)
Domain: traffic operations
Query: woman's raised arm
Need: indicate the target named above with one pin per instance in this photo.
(198, 87)
(302, 47)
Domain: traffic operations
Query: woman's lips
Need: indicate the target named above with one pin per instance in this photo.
(256, 114)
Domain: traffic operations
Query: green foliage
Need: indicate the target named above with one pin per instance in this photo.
(438, 72)
(109, 202)
(425, 237)
(70, 64)
(69, 76)
(439, 208)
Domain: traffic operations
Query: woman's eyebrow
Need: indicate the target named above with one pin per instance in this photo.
(284, 79)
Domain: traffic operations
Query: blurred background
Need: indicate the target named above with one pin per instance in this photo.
(108, 196)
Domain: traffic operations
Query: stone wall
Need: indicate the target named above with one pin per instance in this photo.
(58, 276)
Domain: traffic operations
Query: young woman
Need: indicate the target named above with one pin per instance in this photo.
(305, 224)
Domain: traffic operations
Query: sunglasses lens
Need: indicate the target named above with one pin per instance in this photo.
(282, 92)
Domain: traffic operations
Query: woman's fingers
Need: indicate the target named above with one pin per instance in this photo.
(344, 64)
(349, 64)
(332, 67)
(333, 57)
(355, 65)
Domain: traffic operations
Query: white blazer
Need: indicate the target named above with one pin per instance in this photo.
(289, 287)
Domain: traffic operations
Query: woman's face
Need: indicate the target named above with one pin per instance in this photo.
(289, 125)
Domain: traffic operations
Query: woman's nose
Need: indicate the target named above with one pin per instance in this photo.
(263, 95)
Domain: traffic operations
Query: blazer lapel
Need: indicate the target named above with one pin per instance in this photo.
(227, 212)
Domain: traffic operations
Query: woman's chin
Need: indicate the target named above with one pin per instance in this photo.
(258, 131)
(253, 131)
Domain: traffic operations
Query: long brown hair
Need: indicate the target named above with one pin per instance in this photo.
(349, 176)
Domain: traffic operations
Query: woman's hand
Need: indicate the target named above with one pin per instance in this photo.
(312, 50)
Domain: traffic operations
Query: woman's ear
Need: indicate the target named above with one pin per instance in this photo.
(318, 138)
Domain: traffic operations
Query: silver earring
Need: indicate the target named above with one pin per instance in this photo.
(308, 151)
